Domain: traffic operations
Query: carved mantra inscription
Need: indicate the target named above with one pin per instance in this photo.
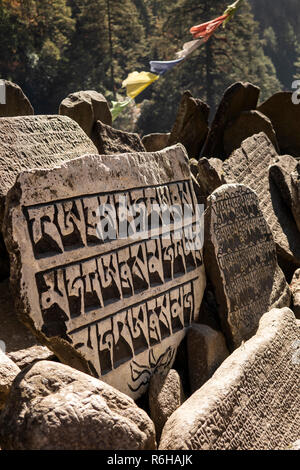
(241, 252)
(123, 303)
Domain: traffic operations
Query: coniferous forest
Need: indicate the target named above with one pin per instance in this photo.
(55, 47)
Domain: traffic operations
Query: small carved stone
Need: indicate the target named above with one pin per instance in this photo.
(252, 400)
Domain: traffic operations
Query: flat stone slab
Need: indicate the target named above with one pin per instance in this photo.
(241, 261)
(29, 142)
(116, 307)
(191, 125)
(245, 125)
(252, 400)
(249, 165)
(237, 98)
(286, 176)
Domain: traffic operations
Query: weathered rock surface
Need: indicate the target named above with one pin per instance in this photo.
(155, 142)
(165, 396)
(38, 142)
(241, 262)
(246, 125)
(17, 103)
(206, 352)
(35, 142)
(109, 140)
(249, 165)
(285, 117)
(12, 331)
(295, 289)
(210, 175)
(209, 308)
(237, 98)
(286, 176)
(295, 445)
(112, 304)
(54, 407)
(8, 371)
(191, 125)
(86, 108)
(252, 400)
(26, 357)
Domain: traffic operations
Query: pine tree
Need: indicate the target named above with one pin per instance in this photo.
(280, 28)
(230, 55)
(108, 44)
(38, 34)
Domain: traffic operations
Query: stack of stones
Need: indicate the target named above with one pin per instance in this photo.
(120, 335)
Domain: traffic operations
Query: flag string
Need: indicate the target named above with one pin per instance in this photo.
(137, 82)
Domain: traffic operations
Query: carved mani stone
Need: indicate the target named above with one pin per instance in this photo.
(286, 175)
(252, 400)
(38, 142)
(240, 258)
(249, 165)
(106, 294)
(35, 142)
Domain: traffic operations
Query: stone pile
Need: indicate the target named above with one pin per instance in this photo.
(123, 324)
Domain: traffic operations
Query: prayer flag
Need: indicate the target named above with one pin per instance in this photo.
(205, 30)
(231, 10)
(161, 67)
(117, 107)
(136, 82)
(189, 47)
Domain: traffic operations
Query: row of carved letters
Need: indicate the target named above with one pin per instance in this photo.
(60, 226)
(92, 284)
(117, 339)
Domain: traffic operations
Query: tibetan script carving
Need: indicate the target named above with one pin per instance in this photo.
(240, 257)
(106, 254)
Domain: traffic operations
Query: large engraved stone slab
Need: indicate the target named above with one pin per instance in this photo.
(252, 400)
(249, 165)
(240, 258)
(115, 308)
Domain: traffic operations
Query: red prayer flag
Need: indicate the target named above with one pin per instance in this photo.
(205, 30)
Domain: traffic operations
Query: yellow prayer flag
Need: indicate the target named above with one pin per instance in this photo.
(136, 82)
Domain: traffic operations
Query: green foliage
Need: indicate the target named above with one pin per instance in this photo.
(232, 54)
(55, 47)
(279, 24)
